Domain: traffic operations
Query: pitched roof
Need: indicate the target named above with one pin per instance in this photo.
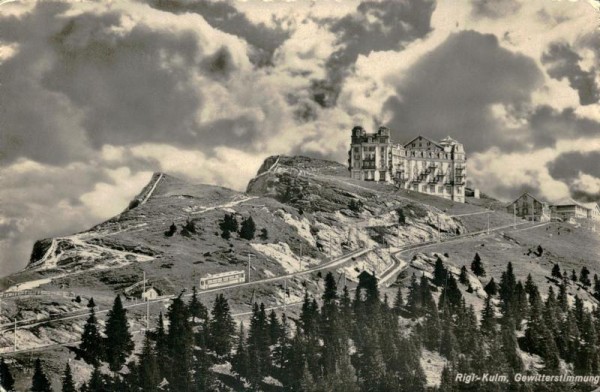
(569, 202)
(425, 138)
(530, 195)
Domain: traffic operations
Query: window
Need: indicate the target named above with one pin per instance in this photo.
(356, 149)
(440, 189)
(432, 188)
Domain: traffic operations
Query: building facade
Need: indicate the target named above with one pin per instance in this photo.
(422, 165)
(529, 207)
(569, 208)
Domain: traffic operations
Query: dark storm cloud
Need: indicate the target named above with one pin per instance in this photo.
(224, 16)
(494, 9)
(34, 121)
(450, 90)
(375, 26)
(562, 61)
(79, 82)
(567, 166)
(548, 125)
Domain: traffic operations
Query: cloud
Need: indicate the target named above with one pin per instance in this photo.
(452, 89)
(562, 61)
(494, 9)
(374, 26)
(549, 125)
(567, 166)
(225, 17)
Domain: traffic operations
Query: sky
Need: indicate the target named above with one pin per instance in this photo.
(96, 96)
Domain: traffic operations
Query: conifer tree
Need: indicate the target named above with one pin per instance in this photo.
(427, 301)
(463, 278)
(584, 276)
(162, 349)
(68, 385)
(448, 344)
(39, 381)
(91, 304)
(222, 327)
(573, 276)
(196, 309)
(439, 272)
(248, 229)
(510, 345)
(477, 266)
(180, 345)
(398, 301)
(414, 301)
(432, 330)
(239, 362)
(147, 369)
(563, 301)
(508, 282)
(451, 295)
(556, 271)
(6, 379)
(118, 341)
(275, 328)
(488, 318)
(491, 288)
(91, 346)
(96, 383)
(258, 343)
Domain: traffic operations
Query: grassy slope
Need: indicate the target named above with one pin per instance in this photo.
(180, 260)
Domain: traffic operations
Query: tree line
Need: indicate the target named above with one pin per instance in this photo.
(348, 342)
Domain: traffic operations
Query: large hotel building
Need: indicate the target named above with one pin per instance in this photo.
(422, 165)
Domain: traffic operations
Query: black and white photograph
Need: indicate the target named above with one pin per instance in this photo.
(299, 195)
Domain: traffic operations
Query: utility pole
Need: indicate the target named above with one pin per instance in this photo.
(147, 315)
(249, 256)
(515, 215)
(439, 229)
(488, 222)
(144, 282)
(329, 245)
(15, 337)
(300, 260)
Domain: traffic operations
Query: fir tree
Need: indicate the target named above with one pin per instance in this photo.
(488, 318)
(451, 295)
(491, 288)
(118, 341)
(147, 369)
(449, 345)
(508, 282)
(91, 346)
(401, 217)
(275, 328)
(239, 362)
(573, 276)
(439, 273)
(221, 327)
(97, 382)
(196, 309)
(179, 342)
(39, 381)
(248, 229)
(6, 379)
(463, 278)
(398, 301)
(556, 271)
(162, 349)
(415, 300)
(584, 276)
(477, 266)
(91, 304)
(68, 385)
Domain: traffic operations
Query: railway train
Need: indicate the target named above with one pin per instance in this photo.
(222, 279)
